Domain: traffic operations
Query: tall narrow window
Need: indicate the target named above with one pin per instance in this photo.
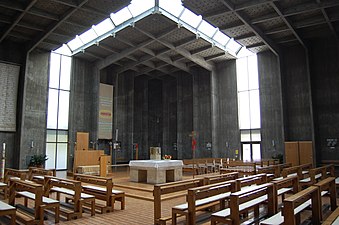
(249, 107)
(57, 112)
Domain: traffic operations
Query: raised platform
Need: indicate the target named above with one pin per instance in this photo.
(155, 171)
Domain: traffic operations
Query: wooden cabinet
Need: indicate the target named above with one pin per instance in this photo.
(299, 152)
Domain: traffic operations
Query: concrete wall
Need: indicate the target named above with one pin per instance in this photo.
(296, 95)
(225, 126)
(83, 116)
(272, 136)
(324, 68)
(12, 53)
(33, 126)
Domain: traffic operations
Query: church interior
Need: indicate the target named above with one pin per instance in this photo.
(169, 112)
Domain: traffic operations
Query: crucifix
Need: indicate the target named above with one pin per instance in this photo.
(194, 144)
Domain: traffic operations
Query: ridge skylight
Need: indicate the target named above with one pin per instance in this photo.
(139, 9)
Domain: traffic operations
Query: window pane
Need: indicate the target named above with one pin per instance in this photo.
(88, 36)
(256, 155)
(52, 109)
(242, 77)
(50, 152)
(190, 18)
(63, 110)
(246, 152)
(206, 28)
(62, 156)
(233, 46)
(255, 135)
(121, 16)
(65, 76)
(51, 136)
(174, 6)
(62, 136)
(255, 109)
(54, 70)
(137, 7)
(244, 111)
(245, 136)
(75, 43)
(221, 38)
(103, 27)
(64, 50)
(253, 72)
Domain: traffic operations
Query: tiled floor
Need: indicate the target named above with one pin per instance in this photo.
(138, 211)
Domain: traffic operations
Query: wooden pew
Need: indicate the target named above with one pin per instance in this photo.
(245, 182)
(244, 201)
(317, 174)
(33, 191)
(102, 190)
(243, 168)
(166, 191)
(327, 185)
(14, 174)
(294, 205)
(286, 185)
(305, 169)
(8, 210)
(201, 198)
(333, 218)
(37, 174)
(71, 189)
(212, 179)
(272, 171)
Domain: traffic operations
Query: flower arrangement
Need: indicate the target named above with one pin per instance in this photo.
(167, 157)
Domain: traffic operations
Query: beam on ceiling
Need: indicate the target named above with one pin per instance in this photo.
(328, 21)
(84, 8)
(259, 44)
(301, 8)
(214, 56)
(274, 48)
(198, 60)
(108, 48)
(277, 8)
(230, 26)
(129, 66)
(237, 7)
(4, 19)
(16, 21)
(198, 50)
(55, 25)
(244, 36)
(168, 60)
(115, 57)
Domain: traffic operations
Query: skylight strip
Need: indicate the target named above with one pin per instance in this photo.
(115, 30)
(194, 30)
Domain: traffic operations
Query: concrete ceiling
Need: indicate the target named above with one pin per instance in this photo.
(155, 46)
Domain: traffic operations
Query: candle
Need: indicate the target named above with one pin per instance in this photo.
(3, 149)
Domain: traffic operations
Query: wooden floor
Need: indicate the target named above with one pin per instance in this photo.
(139, 205)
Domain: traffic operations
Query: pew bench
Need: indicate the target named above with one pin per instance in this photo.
(243, 168)
(295, 204)
(333, 218)
(48, 203)
(37, 174)
(72, 190)
(23, 214)
(317, 174)
(243, 201)
(102, 189)
(202, 198)
(171, 190)
(8, 210)
(212, 179)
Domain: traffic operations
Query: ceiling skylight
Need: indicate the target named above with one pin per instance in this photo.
(75, 43)
(139, 9)
(121, 16)
(175, 7)
(207, 28)
(88, 36)
(103, 27)
(190, 18)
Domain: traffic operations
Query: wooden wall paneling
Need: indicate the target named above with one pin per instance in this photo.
(292, 153)
(305, 152)
(82, 140)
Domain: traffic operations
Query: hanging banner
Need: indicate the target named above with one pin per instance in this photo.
(105, 111)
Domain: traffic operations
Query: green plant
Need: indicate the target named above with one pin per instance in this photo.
(38, 160)
(279, 156)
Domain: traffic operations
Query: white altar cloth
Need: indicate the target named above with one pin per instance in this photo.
(155, 171)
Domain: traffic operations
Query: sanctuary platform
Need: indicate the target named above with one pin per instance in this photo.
(155, 171)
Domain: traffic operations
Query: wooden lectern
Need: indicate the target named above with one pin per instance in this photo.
(103, 165)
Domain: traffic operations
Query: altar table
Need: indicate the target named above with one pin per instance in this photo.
(155, 171)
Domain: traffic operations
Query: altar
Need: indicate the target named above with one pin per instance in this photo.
(155, 171)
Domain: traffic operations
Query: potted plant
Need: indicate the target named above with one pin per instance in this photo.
(37, 160)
